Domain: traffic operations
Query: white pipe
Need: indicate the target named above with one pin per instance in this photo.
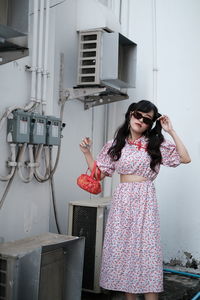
(45, 67)
(12, 163)
(128, 18)
(40, 52)
(34, 50)
(154, 42)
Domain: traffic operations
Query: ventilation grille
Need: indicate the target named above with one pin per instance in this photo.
(89, 54)
(3, 272)
(84, 224)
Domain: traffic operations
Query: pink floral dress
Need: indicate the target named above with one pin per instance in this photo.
(132, 256)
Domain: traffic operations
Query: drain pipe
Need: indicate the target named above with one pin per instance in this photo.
(40, 53)
(34, 52)
(45, 66)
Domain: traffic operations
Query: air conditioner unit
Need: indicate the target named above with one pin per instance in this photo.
(88, 218)
(13, 30)
(106, 58)
(42, 267)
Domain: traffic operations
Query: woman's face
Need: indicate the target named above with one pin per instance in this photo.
(140, 121)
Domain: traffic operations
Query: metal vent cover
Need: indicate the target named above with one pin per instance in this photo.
(84, 224)
(88, 218)
(89, 58)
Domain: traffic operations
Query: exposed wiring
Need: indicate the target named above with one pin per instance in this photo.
(37, 173)
(8, 185)
(53, 196)
(20, 163)
(52, 172)
(12, 163)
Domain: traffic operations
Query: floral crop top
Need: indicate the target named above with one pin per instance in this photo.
(135, 159)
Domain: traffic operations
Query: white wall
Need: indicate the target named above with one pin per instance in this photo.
(79, 122)
(26, 208)
(24, 212)
(178, 26)
(168, 67)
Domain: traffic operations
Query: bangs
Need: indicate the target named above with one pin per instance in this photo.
(145, 106)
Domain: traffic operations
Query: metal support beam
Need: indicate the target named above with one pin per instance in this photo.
(91, 101)
(76, 93)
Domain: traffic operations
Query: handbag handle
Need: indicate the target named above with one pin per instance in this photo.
(98, 171)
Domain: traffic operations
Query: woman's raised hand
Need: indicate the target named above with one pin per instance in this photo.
(166, 123)
(85, 144)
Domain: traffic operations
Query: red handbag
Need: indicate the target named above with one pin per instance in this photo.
(89, 183)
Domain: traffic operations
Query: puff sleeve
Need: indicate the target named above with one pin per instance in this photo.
(170, 156)
(104, 161)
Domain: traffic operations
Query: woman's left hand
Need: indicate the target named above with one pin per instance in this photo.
(165, 123)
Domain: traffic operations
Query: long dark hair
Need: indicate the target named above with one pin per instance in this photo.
(154, 135)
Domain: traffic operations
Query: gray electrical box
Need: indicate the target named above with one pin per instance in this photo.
(37, 129)
(54, 127)
(18, 127)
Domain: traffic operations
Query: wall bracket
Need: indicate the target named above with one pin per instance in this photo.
(93, 96)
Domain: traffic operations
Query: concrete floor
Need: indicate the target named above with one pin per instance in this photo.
(176, 287)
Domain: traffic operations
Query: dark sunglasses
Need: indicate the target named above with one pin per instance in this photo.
(139, 116)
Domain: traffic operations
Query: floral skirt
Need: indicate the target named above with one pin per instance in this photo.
(132, 256)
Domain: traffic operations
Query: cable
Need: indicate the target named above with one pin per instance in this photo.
(12, 163)
(53, 196)
(58, 151)
(6, 189)
(37, 173)
(20, 163)
(8, 185)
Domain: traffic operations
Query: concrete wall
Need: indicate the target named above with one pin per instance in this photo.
(168, 65)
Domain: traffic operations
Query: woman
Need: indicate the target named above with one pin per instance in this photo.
(132, 258)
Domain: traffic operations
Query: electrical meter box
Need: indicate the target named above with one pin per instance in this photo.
(54, 127)
(18, 127)
(37, 129)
